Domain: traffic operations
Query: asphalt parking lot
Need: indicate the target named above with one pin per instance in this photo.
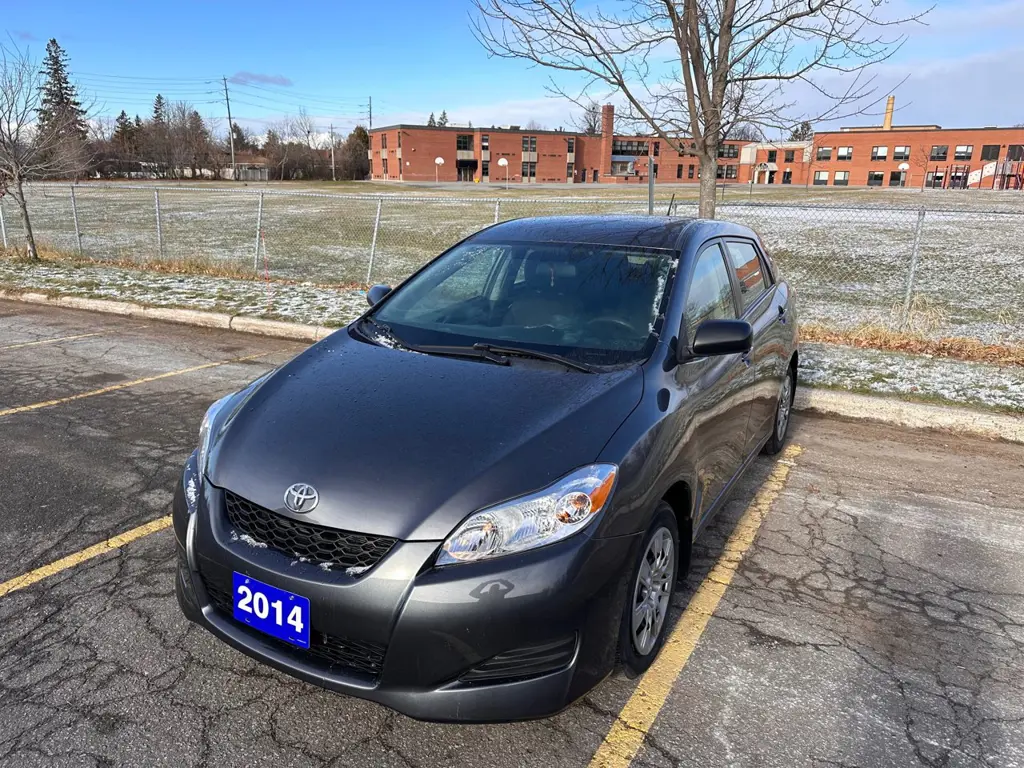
(876, 617)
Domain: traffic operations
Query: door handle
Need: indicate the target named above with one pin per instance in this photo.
(782, 313)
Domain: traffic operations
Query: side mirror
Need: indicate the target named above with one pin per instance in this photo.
(722, 337)
(376, 293)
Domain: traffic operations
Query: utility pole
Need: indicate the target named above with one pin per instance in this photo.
(650, 176)
(333, 177)
(231, 131)
(369, 106)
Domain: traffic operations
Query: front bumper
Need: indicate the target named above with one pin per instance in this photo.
(420, 634)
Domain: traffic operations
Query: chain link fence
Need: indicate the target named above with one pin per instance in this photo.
(945, 272)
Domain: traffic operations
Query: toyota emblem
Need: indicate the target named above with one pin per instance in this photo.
(301, 497)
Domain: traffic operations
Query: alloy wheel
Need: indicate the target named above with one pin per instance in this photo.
(785, 406)
(652, 591)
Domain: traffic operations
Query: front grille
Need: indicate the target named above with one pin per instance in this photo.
(339, 654)
(523, 663)
(313, 543)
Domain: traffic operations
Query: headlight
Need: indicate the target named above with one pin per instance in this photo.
(206, 431)
(542, 518)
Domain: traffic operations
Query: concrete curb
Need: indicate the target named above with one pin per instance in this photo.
(194, 317)
(825, 401)
(909, 414)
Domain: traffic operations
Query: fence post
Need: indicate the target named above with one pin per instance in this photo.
(3, 226)
(497, 205)
(74, 215)
(259, 230)
(912, 274)
(159, 228)
(373, 242)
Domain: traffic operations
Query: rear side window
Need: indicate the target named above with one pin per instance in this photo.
(710, 296)
(750, 272)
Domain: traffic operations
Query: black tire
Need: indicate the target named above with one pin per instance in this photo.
(635, 659)
(780, 423)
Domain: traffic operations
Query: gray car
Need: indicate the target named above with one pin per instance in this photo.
(477, 499)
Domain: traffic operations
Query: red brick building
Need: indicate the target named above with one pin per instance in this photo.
(885, 156)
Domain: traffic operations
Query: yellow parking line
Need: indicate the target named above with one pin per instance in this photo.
(125, 385)
(52, 341)
(627, 733)
(116, 542)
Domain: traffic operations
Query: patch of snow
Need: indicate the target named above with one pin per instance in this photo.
(247, 539)
(356, 570)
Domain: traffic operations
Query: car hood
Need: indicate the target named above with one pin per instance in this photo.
(407, 445)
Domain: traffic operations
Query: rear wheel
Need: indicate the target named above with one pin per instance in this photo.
(782, 414)
(649, 597)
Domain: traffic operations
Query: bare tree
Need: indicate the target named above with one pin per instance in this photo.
(533, 125)
(28, 150)
(589, 121)
(691, 69)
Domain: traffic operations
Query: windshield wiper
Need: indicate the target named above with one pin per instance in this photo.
(384, 329)
(533, 353)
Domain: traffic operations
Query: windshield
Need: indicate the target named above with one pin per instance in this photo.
(595, 304)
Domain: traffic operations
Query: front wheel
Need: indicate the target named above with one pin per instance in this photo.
(782, 414)
(653, 583)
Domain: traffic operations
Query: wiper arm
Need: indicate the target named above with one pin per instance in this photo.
(443, 351)
(535, 354)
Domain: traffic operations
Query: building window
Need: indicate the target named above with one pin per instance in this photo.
(841, 179)
(657, 150)
(399, 139)
(727, 171)
(880, 153)
(655, 170)
(464, 141)
(485, 168)
(621, 167)
(875, 178)
(529, 143)
(529, 170)
(935, 179)
(485, 141)
(844, 153)
(896, 178)
(990, 152)
(630, 147)
(383, 141)
(963, 152)
(1015, 152)
(939, 152)
(787, 177)
(570, 145)
(570, 169)
(901, 153)
(679, 171)
(689, 172)
(820, 178)
(385, 161)
(773, 155)
(729, 151)
(790, 155)
(824, 153)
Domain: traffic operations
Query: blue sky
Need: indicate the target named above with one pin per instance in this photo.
(418, 56)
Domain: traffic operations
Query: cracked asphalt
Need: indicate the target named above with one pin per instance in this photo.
(877, 619)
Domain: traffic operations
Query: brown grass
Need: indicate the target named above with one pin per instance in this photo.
(193, 265)
(880, 337)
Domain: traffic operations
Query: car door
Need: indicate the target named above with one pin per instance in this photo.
(763, 306)
(713, 385)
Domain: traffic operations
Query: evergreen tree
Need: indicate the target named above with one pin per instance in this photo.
(124, 131)
(159, 109)
(442, 121)
(802, 132)
(431, 122)
(60, 111)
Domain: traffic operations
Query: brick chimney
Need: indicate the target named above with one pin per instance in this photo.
(889, 107)
(607, 134)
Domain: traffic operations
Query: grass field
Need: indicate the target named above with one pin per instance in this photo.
(848, 252)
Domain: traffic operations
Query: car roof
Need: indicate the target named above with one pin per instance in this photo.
(607, 229)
